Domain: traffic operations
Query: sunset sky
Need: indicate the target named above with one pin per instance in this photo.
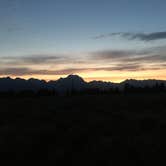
(109, 40)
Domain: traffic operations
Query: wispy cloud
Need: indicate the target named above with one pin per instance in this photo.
(151, 58)
(148, 56)
(102, 60)
(116, 54)
(33, 59)
(15, 71)
(66, 71)
(135, 36)
(27, 71)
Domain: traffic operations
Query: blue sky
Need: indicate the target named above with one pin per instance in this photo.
(40, 27)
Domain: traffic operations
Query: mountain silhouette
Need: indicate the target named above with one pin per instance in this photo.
(71, 83)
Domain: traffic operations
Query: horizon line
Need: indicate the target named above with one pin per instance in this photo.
(85, 79)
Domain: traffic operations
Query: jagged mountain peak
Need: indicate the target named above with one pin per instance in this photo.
(75, 77)
(71, 77)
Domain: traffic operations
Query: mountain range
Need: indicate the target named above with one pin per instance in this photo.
(69, 83)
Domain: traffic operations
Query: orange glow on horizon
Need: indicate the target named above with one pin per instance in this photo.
(112, 76)
(88, 79)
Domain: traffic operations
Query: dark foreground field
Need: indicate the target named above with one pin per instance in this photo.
(84, 130)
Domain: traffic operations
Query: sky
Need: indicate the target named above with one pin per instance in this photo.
(110, 40)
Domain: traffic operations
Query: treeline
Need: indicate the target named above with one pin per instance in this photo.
(127, 89)
(157, 88)
(28, 93)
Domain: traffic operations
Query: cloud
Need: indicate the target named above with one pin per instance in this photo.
(41, 59)
(33, 59)
(105, 60)
(146, 36)
(16, 71)
(116, 54)
(122, 67)
(138, 36)
(148, 56)
(150, 59)
(28, 71)
(67, 71)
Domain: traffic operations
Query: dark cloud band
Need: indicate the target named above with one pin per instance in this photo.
(135, 36)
